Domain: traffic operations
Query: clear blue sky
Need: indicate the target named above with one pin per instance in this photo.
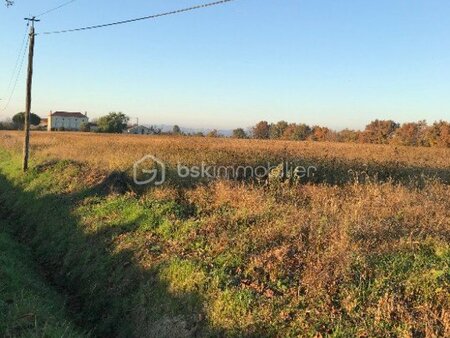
(334, 63)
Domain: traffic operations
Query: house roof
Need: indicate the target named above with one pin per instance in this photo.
(68, 114)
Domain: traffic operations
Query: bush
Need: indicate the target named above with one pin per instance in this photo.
(113, 123)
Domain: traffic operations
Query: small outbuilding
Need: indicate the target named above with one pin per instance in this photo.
(139, 130)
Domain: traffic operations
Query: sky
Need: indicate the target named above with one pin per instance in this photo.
(339, 64)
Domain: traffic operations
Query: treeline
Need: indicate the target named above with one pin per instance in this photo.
(378, 131)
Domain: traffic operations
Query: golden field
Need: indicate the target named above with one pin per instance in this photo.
(120, 151)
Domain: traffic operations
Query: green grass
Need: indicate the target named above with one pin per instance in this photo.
(228, 260)
(28, 306)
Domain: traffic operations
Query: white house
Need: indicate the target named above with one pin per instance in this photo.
(61, 120)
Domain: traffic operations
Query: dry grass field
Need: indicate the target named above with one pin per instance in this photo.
(333, 256)
(120, 151)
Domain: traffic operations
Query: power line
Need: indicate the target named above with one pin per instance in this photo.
(19, 70)
(16, 64)
(56, 8)
(142, 18)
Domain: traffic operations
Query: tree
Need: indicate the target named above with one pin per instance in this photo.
(322, 134)
(380, 131)
(19, 120)
(410, 134)
(261, 130)
(239, 133)
(7, 125)
(176, 130)
(86, 127)
(213, 133)
(348, 135)
(276, 131)
(9, 3)
(113, 123)
(297, 132)
(444, 140)
(438, 135)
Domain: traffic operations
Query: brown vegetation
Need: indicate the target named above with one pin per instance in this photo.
(121, 151)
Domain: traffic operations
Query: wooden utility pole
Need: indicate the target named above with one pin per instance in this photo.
(26, 145)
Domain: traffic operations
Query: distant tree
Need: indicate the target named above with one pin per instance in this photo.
(261, 130)
(19, 119)
(276, 130)
(213, 133)
(198, 134)
(7, 125)
(411, 134)
(9, 3)
(297, 132)
(86, 127)
(438, 134)
(113, 123)
(444, 140)
(321, 134)
(348, 135)
(176, 130)
(239, 133)
(380, 131)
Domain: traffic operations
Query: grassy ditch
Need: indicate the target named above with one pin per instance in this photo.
(28, 306)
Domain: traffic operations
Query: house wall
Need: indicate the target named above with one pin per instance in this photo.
(69, 123)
